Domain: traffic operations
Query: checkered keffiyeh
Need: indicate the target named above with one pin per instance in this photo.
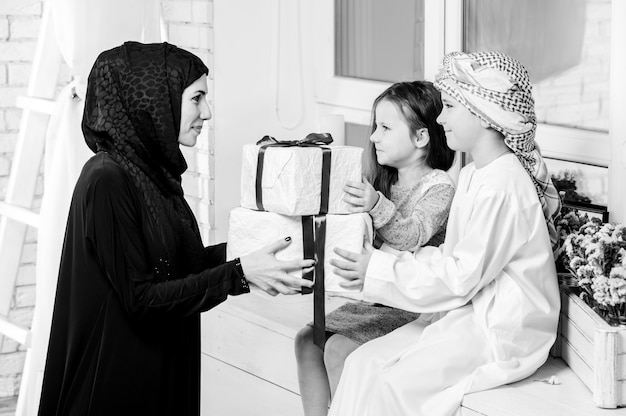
(496, 88)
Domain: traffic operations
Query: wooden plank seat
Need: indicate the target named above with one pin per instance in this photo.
(249, 367)
(532, 397)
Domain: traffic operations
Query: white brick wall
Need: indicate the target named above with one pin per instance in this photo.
(7, 142)
(17, 51)
(4, 29)
(10, 94)
(21, 7)
(26, 275)
(19, 25)
(5, 165)
(12, 117)
(24, 27)
(18, 73)
(189, 25)
(202, 11)
(176, 11)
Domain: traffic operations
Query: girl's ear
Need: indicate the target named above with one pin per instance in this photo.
(421, 138)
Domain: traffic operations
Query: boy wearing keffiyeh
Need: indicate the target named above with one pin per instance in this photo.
(488, 296)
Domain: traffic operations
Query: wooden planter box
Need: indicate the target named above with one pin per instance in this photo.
(594, 350)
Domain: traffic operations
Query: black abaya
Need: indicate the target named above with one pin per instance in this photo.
(125, 339)
(134, 274)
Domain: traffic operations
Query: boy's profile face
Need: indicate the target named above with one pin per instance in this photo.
(461, 126)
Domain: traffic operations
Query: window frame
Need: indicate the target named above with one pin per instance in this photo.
(444, 33)
(353, 96)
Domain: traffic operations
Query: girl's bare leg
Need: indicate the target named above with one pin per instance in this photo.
(312, 378)
(336, 350)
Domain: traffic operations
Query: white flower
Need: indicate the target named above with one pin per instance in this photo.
(600, 286)
(596, 254)
(617, 286)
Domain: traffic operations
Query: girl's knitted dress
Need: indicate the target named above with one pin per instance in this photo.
(413, 216)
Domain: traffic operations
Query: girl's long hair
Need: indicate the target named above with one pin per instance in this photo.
(420, 103)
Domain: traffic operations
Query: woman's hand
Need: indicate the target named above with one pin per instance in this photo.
(264, 270)
(353, 266)
(360, 195)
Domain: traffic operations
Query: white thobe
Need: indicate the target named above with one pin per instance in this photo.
(489, 298)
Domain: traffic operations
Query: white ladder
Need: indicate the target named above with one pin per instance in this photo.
(15, 212)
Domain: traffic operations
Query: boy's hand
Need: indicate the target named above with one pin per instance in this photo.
(360, 195)
(353, 266)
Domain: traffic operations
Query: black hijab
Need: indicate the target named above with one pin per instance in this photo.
(132, 110)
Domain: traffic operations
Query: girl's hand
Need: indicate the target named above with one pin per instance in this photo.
(264, 270)
(353, 266)
(360, 195)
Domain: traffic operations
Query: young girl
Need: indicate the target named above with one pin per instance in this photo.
(409, 204)
(492, 283)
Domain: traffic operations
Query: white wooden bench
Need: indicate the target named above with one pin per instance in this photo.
(249, 367)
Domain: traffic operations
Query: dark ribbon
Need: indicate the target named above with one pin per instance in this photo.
(311, 140)
(313, 226)
(314, 242)
(308, 248)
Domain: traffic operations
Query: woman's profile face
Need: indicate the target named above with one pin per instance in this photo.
(193, 112)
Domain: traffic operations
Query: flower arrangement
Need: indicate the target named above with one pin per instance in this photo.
(570, 222)
(594, 253)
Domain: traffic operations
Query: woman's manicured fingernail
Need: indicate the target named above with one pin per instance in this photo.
(287, 238)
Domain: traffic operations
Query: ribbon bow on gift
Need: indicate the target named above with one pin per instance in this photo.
(312, 139)
(318, 140)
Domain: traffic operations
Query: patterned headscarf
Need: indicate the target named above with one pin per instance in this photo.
(133, 109)
(496, 88)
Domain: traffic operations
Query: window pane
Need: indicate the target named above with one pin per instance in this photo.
(357, 135)
(565, 46)
(381, 40)
(579, 183)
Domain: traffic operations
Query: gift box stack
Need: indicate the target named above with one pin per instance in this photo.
(295, 189)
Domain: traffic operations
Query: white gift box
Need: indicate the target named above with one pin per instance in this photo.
(292, 178)
(250, 230)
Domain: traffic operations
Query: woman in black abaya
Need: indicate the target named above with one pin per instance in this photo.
(134, 273)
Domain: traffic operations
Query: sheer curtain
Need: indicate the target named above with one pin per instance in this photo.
(379, 40)
(83, 29)
(353, 48)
